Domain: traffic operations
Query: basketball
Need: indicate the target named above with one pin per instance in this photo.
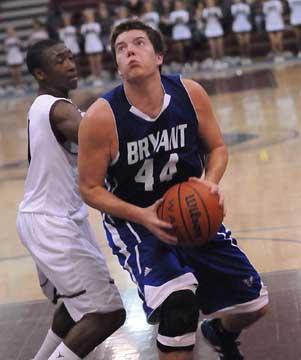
(193, 211)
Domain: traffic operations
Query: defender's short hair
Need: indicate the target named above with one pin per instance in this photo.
(35, 57)
(154, 36)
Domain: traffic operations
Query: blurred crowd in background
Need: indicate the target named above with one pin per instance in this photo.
(197, 34)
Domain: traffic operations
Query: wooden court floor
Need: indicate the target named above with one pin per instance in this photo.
(260, 115)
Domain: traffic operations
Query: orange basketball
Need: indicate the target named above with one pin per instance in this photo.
(193, 211)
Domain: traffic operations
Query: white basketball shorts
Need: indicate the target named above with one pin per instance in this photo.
(70, 264)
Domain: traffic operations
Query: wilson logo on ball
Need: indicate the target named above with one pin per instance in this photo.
(195, 214)
(193, 211)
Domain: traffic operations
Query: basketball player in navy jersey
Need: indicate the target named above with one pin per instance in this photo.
(52, 218)
(135, 142)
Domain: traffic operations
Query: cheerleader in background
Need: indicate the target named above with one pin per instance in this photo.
(14, 58)
(295, 21)
(149, 15)
(274, 25)
(181, 33)
(68, 34)
(38, 32)
(241, 26)
(91, 30)
(214, 32)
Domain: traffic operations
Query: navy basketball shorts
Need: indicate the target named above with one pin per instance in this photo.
(219, 274)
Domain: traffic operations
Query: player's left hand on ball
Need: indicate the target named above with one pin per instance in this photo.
(214, 189)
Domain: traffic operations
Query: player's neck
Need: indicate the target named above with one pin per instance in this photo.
(48, 90)
(146, 96)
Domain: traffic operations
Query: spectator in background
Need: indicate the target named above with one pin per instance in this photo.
(181, 33)
(164, 9)
(38, 32)
(274, 25)
(105, 20)
(295, 21)
(93, 46)
(214, 32)
(14, 57)
(198, 21)
(121, 14)
(241, 26)
(198, 32)
(54, 19)
(257, 15)
(149, 15)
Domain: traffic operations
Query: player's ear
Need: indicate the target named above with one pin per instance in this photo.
(39, 74)
(159, 59)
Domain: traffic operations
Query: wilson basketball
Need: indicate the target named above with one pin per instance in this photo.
(193, 211)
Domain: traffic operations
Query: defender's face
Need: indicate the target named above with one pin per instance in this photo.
(135, 55)
(60, 69)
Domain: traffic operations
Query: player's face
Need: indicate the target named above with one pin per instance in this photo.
(60, 70)
(135, 55)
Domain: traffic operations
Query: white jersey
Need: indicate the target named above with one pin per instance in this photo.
(51, 186)
(213, 27)
(180, 19)
(272, 10)
(295, 8)
(69, 37)
(241, 13)
(91, 33)
(12, 47)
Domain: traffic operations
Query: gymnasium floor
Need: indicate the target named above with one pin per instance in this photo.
(260, 114)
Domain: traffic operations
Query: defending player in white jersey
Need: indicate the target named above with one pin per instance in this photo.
(52, 220)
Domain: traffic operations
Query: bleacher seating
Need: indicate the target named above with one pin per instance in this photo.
(20, 13)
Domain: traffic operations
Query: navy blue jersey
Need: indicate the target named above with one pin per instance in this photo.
(154, 154)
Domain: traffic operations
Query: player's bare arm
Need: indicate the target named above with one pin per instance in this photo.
(98, 144)
(209, 132)
(210, 135)
(65, 119)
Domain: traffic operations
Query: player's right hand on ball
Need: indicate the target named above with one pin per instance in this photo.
(162, 229)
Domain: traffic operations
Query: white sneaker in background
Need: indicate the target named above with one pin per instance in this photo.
(220, 65)
(279, 59)
(246, 61)
(207, 64)
(98, 83)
